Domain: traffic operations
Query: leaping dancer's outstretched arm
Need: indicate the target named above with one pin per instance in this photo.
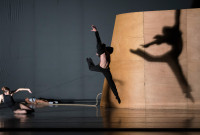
(94, 28)
(100, 45)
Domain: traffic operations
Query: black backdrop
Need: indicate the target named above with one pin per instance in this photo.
(44, 43)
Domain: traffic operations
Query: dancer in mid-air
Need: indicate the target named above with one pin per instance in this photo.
(104, 54)
(17, 108)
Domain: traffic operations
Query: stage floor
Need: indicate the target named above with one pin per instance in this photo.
(95, 120)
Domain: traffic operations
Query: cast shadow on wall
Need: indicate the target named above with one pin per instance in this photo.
(173, 37)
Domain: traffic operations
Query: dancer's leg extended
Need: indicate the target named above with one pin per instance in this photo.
(111, 83)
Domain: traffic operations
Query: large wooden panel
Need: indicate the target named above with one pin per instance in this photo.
(161, 66)
(165, 74)
(193, 48)
(127, 69)
(129, 79)
(193, 78)
(122, 49)
(193, 36)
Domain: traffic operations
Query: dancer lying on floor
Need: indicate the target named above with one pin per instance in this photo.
(104, 54)
(39, 101)
(7, 98)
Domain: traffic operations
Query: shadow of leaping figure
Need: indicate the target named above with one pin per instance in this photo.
(173, 37)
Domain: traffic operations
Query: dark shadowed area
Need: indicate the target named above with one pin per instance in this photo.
(44, 43)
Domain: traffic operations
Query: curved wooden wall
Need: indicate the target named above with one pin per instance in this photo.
(154, 77)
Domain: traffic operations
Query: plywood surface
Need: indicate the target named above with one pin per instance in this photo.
(166, 73)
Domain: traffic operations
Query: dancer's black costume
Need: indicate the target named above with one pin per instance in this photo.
(101, 48)
(9, 102)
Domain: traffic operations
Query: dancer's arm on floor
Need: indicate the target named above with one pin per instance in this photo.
(41, 101)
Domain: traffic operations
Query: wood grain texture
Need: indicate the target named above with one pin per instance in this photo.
(163, 75)
(127, 69)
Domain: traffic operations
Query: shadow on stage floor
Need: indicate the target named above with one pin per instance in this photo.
(100, 121)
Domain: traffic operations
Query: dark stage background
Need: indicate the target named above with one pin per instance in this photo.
(44, 43)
